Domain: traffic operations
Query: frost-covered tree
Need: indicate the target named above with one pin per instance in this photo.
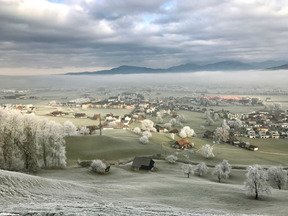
(171, 159)
(181, 118)
(98, 166)
(201, 169)
(27, 142)
(209, 120)
(69, 128)
(147, 134)
(137, 130)
(277, 176)
(159, 119)
(172, 136)
(226, 167)
(216, 116)
(219, 173)
(175, 123)
(237, 124)
(224, 172)
(221, 134)
(84, 131)
(144, 140)
(188, 170)
(187, 132)
(147, 125)
(207, 151)
(168, 126)
(256, 181)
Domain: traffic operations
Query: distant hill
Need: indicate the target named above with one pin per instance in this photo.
(281, 67)
(219, 66)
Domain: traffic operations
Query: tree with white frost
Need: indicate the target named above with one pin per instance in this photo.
(188, 170)
(226, 167)
(201, 169)
(221, 134)
(137, 130)
(277, 176)
(209, 120)
(147, 134)
(219, 173)
(144, 140)
(207, 151)
(84, 131)
(187, 132)
(256, 181)
(69, 128)
(98, 166)
(171, 159)
(147, 125)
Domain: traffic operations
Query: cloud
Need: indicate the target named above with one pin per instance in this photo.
(155, 33)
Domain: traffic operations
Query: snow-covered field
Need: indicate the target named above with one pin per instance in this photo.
(78, 191)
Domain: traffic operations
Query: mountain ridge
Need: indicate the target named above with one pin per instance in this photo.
(189, 67)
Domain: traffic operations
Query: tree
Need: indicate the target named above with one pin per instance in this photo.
(201, 169)
(171, 159)
(209, 120)
(277, 176)
(221, 134)
(144, 140)
(225, 170)
(187, 132)
(207, 151)
(219, 173)
(216, 116)
(69, 128)
(226, 167)
(147, 134)
(98, 166)
(188, 169)
(256, 181)
(137, 130)
(147, 125)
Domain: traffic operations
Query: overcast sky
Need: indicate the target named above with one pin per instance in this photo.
(58, 36)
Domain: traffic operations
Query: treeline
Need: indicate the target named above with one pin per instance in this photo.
(28, 143)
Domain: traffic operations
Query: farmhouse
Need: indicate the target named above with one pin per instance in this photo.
(183, 144)
(142, 163)
(80, 115)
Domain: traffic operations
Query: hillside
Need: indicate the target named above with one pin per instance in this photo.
(219, 66)
(281, 67)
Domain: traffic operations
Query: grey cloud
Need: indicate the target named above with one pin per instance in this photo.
(145, 33)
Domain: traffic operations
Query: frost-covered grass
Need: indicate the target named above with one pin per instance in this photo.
(78, 191)
(118, 145)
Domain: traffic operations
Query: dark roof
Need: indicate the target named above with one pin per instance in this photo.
(141, 161)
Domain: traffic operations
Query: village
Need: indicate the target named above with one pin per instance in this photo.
(269, 122)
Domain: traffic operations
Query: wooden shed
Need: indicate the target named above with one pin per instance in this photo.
(142, 163)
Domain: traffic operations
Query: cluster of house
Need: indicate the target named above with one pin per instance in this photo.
(24, 108)
(263, 125)
(127, 100)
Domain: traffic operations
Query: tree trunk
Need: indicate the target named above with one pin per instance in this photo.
(188, 175)
(256, 191)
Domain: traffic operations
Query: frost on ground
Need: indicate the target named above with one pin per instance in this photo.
(78, 191)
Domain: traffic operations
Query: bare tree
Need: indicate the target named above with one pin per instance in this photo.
(188, 170)
(277, 176)
(201, 169)
(256, 181)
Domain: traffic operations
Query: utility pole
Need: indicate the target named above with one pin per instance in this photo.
(100, 125)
